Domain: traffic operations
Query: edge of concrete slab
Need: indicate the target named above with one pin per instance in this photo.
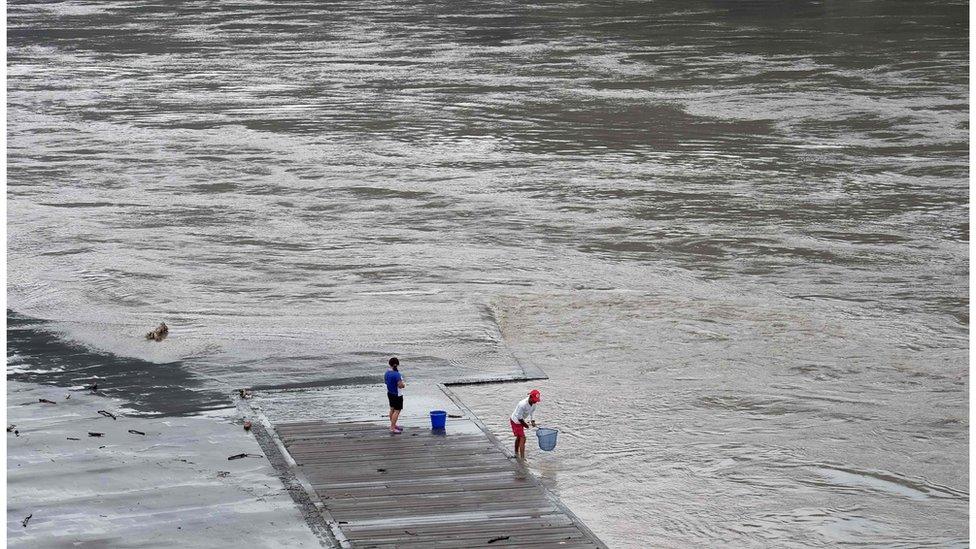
(313, 510)
(529, 373)
(488, 379)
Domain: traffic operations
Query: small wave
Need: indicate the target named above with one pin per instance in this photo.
(883, 481)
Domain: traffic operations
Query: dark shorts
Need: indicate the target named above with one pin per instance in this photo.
(396, 402)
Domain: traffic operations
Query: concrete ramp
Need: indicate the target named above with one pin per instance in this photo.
(454, 488)
(424, 488)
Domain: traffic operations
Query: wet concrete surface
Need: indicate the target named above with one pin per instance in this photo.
(172, 485)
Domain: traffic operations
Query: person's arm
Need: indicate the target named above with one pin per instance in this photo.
(522, 415)
(532, 415)
(400, 382)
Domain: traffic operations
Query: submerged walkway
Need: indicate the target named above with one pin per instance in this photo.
(445, 489)
(424, 489)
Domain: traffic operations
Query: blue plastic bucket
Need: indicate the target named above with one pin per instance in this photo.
(547, 438)
(438, 419)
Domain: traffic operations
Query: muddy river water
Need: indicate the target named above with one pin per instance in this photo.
(734, 234)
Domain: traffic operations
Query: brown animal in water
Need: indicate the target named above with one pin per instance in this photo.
(159, 333)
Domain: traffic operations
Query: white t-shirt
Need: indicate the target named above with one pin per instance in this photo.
(523, 410)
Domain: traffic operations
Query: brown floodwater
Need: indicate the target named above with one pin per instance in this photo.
(734, 234)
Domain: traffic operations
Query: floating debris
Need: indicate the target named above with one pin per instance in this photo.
(499, 538)
(245, 393)
(107, 414)
(409, 533)
(46, 401)
(26, 520)
(159, 333)
(222, 474)
(134, 432)
(247, 425)
(16, 432)
(91, 434)
(455, 416)
(239, 456)
(10, 428)
(67, 396)
(73, 438)
(381, 470)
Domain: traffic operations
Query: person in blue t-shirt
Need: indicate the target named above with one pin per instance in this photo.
(394, 392)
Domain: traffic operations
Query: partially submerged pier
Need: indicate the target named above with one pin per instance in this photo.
(455, 488)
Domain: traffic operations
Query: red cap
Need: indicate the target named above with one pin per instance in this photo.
(535, 395)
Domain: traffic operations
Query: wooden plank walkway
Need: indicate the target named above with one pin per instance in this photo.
(424, 488)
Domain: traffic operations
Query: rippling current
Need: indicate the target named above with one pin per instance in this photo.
(734, 234)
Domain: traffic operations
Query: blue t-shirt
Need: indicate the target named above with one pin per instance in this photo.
(392, 378)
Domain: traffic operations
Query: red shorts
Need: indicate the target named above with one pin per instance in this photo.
(517, 429)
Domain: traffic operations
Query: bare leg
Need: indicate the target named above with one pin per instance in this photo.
(394, 416)
(520, 447)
